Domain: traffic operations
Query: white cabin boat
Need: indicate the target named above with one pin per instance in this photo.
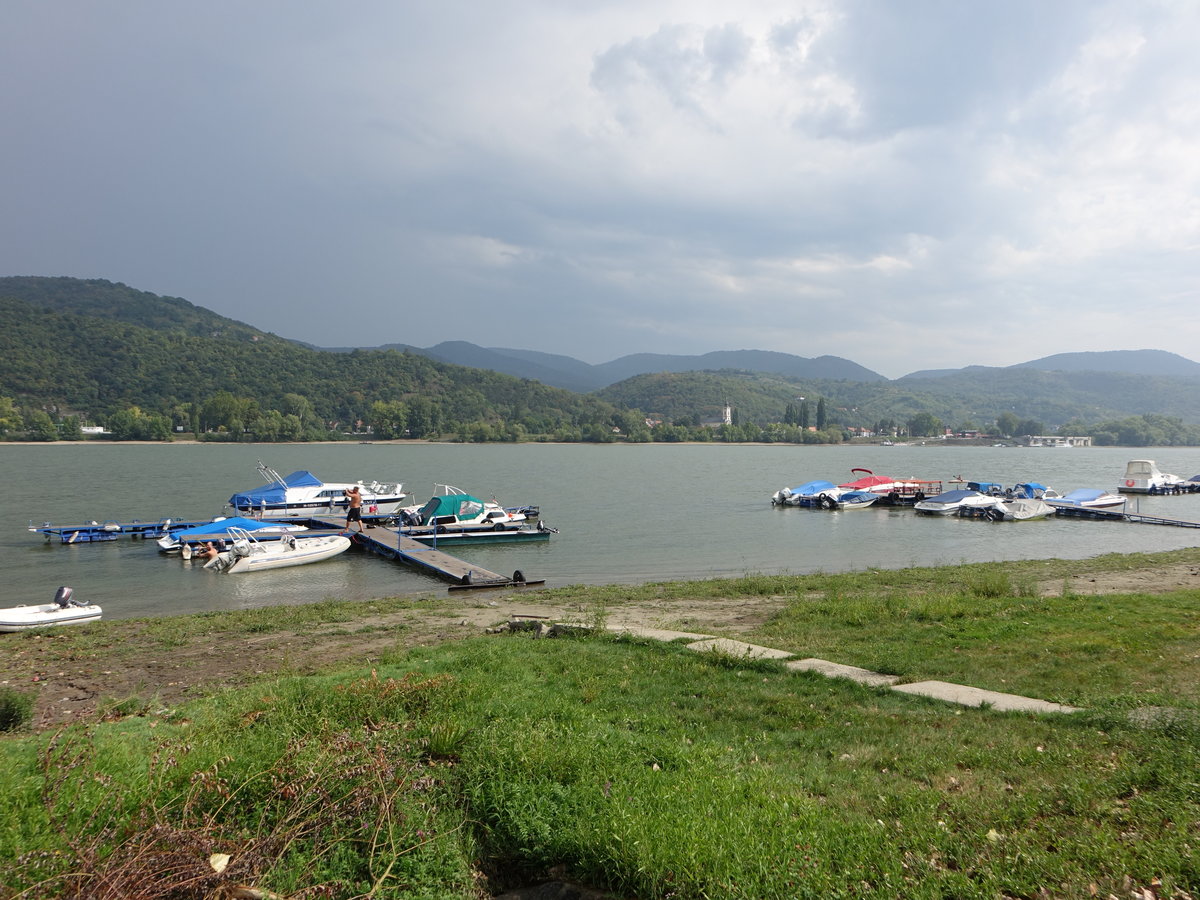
(949, 503)
(250, 555)
(1143, 477)
(65, 610)
(303, 494)
(454, 510)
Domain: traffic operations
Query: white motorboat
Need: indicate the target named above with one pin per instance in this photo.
(807, 494)
(852, 500)
(65, 610)
(1021, 509)
(250, 555)
(454, 509)
(1143, 477)
(303, 494)
(950, 502)
(218, 530)
(1089, 498)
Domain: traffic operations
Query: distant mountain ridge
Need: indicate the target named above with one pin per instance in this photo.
(575, 375)
(1127, 362)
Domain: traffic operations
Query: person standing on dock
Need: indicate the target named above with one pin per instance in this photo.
(354, 510)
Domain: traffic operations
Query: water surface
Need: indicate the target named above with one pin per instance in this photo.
(625, 514)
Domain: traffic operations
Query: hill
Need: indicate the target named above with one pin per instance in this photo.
(96, 347)
(93, 346)
(575, 375)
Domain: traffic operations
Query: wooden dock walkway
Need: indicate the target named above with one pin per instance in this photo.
(390, 543)
(1110, 516)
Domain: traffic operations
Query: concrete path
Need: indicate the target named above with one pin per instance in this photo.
(937, 690)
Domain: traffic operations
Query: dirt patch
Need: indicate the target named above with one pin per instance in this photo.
(1159, 580)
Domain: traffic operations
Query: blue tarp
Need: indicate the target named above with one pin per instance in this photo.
(273, 492)
(1083, 495)
(220, 529)
(1030, 490)
(952, 496)
(812, 488)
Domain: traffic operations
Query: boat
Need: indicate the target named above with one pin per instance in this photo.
(893, 491)
(218, 530)
(950, 502)
(1143, 477)
(807, 494)
(454, 509)
(303, 494)
(853, 500)
(1020, 509)
(250, 555)
(1088, 498)
(64, 610)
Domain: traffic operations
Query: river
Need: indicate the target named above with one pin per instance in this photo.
(625, 514)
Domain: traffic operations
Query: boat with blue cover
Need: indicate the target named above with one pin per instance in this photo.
(218, 530)
(303, 494)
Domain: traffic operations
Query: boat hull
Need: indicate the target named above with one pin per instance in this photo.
(281, 554)
(22, 618)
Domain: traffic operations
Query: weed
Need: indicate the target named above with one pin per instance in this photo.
(16, 709)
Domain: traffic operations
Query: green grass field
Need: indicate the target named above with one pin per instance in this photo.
(653, 771)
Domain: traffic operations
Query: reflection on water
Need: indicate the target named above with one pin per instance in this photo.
(625, 514)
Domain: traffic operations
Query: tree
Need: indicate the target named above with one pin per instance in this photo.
(821, 417)
(924, 424)
(40, 427)
(1007, 423)
(803, 417)
(389, 419)
(10, 418)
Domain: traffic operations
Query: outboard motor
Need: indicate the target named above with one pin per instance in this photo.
(62, 597)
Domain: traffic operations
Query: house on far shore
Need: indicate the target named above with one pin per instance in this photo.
(1054, 440)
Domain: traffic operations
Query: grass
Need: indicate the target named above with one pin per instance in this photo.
(653, 771)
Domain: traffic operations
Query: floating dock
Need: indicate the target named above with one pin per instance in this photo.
(419, 549)
(390, 543)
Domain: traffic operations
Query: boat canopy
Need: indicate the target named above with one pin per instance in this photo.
(275, 492)
(220, 528)
(868, 482)
(1084, 495)
(464, 506)
(986, 487)
(953, 496)
(1030, 490)
(812, 488)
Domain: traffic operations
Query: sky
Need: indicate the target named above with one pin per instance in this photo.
(908, 185)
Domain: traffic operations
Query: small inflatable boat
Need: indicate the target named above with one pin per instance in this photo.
(65, 610)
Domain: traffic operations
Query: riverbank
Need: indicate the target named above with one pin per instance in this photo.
(78, 673)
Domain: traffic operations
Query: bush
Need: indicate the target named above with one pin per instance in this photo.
(16, 709)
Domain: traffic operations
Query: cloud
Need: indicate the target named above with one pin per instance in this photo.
(600, 179)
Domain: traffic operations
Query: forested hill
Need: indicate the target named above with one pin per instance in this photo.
(198, 369)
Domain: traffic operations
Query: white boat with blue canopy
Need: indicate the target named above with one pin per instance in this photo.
(303, 494)
(218, 530)
(1089, 498)
(807, 494)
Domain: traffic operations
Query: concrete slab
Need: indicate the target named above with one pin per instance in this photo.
(738, 649)
(837, 670)
(971, 696)
(657, 634)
